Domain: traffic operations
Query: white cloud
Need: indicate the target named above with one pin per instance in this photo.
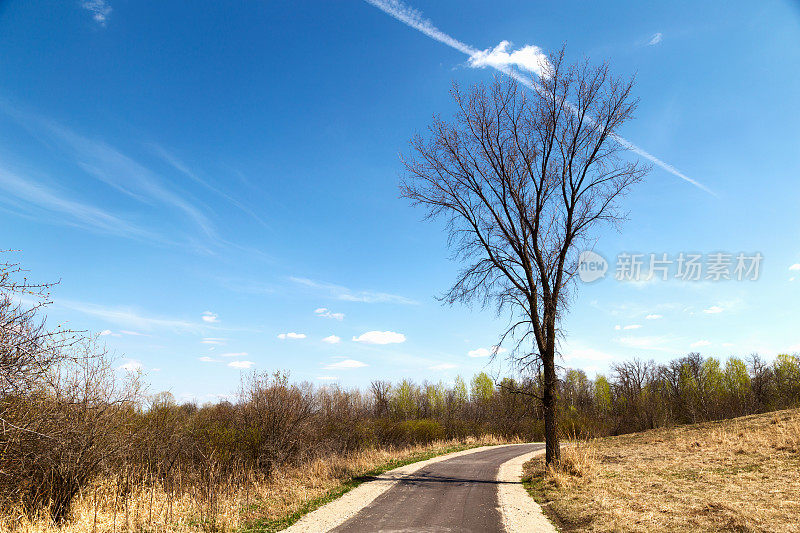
(617, 327)
(131, 366)
(332, 339)
(728, 344)
(241, 364)
(486, 352)
(213, 340)
(345, 363)
(714, 310)
(529, 57)
(443, 366)
(653, 317)
(380, 337)
(655, 39)
(327, 378)
(234, 354)
(795, 266)
(99, 9)
(633, 326)
(105, 332)
(206, 359)
(324, 312)
(209, 317)
(700, 344)
(292, 335)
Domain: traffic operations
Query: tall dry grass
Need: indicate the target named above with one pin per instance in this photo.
(120, 504)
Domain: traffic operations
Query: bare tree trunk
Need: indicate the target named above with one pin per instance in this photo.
(552, 446)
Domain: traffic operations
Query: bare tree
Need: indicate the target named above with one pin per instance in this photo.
(522, 178)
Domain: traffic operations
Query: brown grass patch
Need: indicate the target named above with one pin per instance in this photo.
(735, 475)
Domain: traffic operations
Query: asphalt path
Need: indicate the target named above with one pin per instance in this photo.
(457, 495)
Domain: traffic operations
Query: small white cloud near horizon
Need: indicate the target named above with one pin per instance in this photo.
(131, 366)
(234, 354)
(207, 359)
(345, 363)
(209, 317)
(655, 39)
(714, 310)
(443, 366)
(332, 339)
(105, 332)
(700, 344)
(529, 57)
(327, 378)
(324, 312)
(291, 335)
(241, 364)
(380, 337)
(213, 340)
(653, 317)
(633, 326)
(486, 352)
(99, 9)
(133, 333)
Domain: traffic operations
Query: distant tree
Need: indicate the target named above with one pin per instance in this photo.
(522, 178)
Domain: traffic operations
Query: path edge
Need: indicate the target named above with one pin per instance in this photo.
(520, 512)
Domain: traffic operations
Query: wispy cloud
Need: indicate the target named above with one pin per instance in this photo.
(213, 340)
(343, 293)
(324, 312)
(714, 310)
(380, 337)
(38, 196)
(700, 344)
(206, 359)
(234, 354)
(655, 39)
(129, 317)
(345, 364)
(413, 18)
(653, 317)
(99, 9)
(209, 317)
(443, 366)
(332, 339)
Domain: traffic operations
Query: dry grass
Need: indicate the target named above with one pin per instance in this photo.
(736, 475)
(252, 504)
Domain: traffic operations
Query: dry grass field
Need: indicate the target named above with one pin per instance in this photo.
(252, 505)
(735, 475)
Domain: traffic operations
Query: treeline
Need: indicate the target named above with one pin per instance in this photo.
(639, 395)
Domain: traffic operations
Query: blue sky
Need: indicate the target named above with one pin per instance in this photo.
(208, 179)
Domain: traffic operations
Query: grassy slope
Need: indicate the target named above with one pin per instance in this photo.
(734, 475)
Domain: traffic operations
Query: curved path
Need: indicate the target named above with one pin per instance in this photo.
(458, 495)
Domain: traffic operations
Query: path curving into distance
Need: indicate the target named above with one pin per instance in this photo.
(475, 491)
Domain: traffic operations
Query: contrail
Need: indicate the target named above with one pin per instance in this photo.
(413, 18)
